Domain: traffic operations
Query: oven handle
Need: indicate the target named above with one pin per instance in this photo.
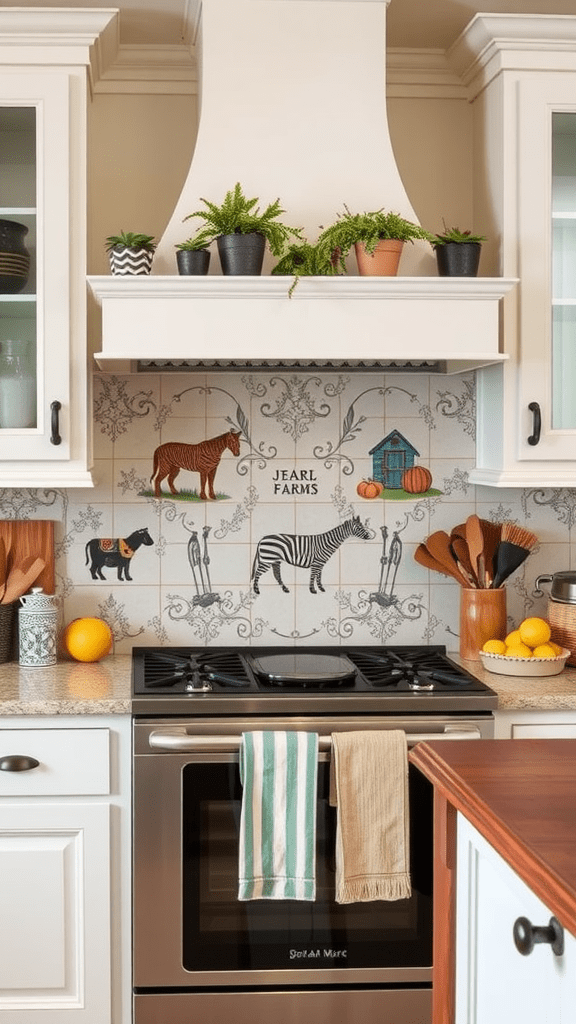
(178, 740)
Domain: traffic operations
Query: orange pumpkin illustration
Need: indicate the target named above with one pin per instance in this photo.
(369, 488)
(416, 480)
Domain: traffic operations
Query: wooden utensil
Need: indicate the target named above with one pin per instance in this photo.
(438, 544)
(25, 537)
(423, 557)
(475, 541)
(491, 533)
(461, 552)
(514, 548)
(21, 578)
(2, 568)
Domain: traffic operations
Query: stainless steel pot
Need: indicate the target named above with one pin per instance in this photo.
(563, 586)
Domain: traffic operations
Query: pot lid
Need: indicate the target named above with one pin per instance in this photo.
(297, 669)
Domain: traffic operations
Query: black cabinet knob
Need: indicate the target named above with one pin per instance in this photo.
(17, 763)
(527, 935)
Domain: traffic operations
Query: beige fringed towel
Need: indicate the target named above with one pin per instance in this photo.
(369, 786)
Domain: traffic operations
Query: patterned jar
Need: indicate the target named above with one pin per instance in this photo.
(14, 257)
(37, 628)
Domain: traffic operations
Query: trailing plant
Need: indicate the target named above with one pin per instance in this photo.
(455, 235)
(302, 259)
(130, 240)
(369, 228)
(239, 215)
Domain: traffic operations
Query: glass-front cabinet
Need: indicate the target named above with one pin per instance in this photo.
(520, 71)
(44, 427)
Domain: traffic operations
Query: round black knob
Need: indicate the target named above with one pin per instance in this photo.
(17, 763)
(527, 935)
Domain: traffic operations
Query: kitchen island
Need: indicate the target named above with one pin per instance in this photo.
(521, 797)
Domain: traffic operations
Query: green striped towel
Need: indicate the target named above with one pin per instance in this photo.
(277, 849)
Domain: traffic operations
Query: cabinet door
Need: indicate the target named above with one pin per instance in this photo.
(35, 320)
(495, 984)
(547, 227)
(54, 909)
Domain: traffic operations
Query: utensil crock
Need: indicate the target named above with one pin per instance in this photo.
(482, 618)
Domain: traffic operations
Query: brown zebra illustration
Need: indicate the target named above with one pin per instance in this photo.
(201, 458)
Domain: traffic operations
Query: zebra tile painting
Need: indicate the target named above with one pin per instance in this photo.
(203, 458)
(307, 551)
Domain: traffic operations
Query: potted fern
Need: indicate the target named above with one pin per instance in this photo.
(377, 237)
(302, 259)
(242, 231)
(457, 252)
(193, 255)
(130, 252)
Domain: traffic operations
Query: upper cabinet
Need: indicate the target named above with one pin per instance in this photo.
(48, 60)
(521, 75)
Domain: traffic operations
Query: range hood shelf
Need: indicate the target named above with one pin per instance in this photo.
(451, 323)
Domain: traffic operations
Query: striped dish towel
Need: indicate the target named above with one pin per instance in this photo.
(277, 850)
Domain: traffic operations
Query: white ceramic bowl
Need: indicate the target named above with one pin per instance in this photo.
(524, 666)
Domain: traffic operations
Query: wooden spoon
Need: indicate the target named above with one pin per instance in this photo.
(475, 541)
(2, 568)
(22, 577)
(423, 557)
(438, 544)
(461, 552)
(492, 533)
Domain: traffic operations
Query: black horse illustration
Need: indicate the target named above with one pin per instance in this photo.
(310, 551)
(115, 552)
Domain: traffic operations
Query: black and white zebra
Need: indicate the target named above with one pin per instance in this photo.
(309, 551)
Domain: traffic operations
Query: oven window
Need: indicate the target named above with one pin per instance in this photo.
(279, 934)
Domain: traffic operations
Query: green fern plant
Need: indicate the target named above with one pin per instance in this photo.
(369, 228)
(239, 215)
(302, 259)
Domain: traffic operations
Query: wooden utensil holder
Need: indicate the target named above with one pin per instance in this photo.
(482, 618)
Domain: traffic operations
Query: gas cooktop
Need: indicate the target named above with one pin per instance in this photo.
(174, 680)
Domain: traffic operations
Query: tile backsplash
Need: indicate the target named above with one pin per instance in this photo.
(286, 453)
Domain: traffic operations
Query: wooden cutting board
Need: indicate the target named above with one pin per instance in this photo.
(24, 537)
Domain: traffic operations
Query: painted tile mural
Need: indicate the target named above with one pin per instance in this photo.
(281, 508)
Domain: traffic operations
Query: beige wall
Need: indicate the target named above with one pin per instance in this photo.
(140, 147)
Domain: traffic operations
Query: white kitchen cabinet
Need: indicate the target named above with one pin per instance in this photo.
(495, 983)
(47, 60)
(65, 871)
(521, 76)
(542, 725)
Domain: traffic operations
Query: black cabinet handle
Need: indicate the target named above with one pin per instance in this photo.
(526, 935)
(55, 435)
(18, 763)
(537, 423)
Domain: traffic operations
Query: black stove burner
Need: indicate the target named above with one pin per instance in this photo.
(356, 670)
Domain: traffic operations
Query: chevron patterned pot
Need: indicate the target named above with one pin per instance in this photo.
(130, 261)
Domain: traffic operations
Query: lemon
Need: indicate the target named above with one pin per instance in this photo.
(556, 647)
(494, 647)
(88, 639)
(518, 651)
(534, 632)
(544, 651)
(513, 638)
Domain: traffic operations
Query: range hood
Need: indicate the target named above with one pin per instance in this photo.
(293, 105)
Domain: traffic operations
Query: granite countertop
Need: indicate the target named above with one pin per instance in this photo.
(103, 688)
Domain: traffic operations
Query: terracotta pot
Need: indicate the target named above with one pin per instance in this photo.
(482, 618)
(383, 262)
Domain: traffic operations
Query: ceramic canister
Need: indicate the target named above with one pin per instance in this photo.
(37, 628)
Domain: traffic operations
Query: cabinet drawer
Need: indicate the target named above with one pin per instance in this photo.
(71, 762)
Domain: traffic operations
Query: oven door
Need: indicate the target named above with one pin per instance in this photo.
(190, 929)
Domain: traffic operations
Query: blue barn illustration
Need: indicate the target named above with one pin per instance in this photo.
(390, 458)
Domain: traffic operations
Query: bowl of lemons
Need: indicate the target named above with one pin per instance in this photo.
(526, 651)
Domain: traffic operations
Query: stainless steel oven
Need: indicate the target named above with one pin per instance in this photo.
(200, 953)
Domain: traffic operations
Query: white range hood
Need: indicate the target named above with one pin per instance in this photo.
(293, 105)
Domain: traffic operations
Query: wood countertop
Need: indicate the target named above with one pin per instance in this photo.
(521, 795)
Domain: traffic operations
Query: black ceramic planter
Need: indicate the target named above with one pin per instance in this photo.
(193, 261)
(458, 259)
(241, 254)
